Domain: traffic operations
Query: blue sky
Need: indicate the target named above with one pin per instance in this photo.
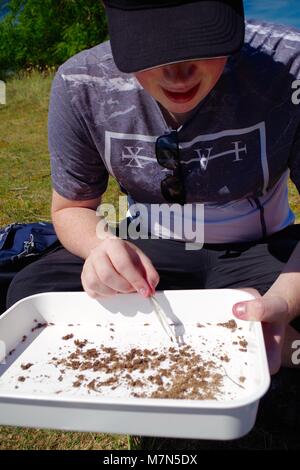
(3, 4)
(279, 11)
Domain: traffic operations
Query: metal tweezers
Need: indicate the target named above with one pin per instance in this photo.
(163, 319)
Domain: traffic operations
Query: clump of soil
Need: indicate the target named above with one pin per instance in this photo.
(67, 337)
(225, 358)
(80, 344)
(168, 373)
(26, 366)
(230, 324)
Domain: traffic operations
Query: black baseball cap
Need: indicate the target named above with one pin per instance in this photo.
(147, 34)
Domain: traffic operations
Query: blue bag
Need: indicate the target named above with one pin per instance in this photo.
(25, 241)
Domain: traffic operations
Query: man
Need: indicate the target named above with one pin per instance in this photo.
(179, 110)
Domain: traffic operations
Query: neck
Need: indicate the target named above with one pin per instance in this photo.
(174, 120)
(182, 117)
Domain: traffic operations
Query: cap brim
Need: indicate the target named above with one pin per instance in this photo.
(147, 38)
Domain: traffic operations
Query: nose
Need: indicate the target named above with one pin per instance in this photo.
(179, 73)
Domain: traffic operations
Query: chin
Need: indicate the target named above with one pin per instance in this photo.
(181, 108)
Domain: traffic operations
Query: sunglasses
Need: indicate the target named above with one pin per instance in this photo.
(167, 155)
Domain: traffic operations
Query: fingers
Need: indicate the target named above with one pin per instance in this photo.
(150, 271)
(135, 267)
(109, 277)
(92, 284)
(270, 309)
(118, 266)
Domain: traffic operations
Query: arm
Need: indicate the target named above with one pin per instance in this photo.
(287, 285)
(111, 265)
(79, 177)
(276, 309)
(282, 301)
(75, 223)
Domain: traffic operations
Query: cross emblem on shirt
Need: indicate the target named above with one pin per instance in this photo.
(134, 157)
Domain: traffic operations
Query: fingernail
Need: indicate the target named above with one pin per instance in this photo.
(143, 292)
(240, 310)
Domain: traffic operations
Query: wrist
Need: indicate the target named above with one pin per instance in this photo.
(104, 231)
(98, 241)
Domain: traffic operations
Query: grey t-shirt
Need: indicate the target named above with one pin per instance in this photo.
(237, 149)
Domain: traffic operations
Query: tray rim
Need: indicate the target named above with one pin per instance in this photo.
(133, 403)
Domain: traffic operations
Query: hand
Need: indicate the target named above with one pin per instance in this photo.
(272, 311)
(115, 266)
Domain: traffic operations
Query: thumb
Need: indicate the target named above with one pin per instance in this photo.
(268, 309)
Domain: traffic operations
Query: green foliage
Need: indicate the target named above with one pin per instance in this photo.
(47, 32)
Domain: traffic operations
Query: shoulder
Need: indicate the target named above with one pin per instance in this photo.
(95, 68)
(89, 58)
(258, 33)
(273, 41)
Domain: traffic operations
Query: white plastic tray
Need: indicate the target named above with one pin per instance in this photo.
(46, 399)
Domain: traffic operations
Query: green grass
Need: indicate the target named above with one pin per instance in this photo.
(25, 189)
(25, 194)
(33, 439)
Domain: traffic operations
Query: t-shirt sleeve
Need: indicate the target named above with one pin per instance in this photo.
(77, 169)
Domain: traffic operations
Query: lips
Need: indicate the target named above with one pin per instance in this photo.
(181, 97)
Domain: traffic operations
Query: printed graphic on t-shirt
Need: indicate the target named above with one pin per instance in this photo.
(221, 166)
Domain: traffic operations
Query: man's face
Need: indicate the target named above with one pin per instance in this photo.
(180, 87)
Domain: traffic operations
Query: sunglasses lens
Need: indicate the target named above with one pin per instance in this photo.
(167, 155)
(167, 151)
(172, 189)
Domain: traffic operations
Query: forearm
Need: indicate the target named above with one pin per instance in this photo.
(79, 229)
(287, 285)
